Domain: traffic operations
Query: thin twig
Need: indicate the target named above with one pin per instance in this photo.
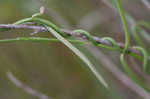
(26, 88)
(68, 32)
(25, 26)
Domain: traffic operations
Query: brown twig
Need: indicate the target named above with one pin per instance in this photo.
(68, 32)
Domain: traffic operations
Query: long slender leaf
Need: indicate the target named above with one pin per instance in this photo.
(78, 53)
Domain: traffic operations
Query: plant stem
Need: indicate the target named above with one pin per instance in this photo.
(131, 74)
(125, 25)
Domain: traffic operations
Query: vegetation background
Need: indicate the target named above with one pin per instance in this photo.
(52, 68)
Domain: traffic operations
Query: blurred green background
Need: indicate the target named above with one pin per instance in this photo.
(52, 68)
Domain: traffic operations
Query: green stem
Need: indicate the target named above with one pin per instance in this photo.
(125, 25)
(44, 40)
(39, 39)
(131, 74)
(145, 57)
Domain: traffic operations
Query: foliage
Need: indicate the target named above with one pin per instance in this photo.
(68, 41)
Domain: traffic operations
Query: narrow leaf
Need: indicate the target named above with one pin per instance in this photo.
(78, 53)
